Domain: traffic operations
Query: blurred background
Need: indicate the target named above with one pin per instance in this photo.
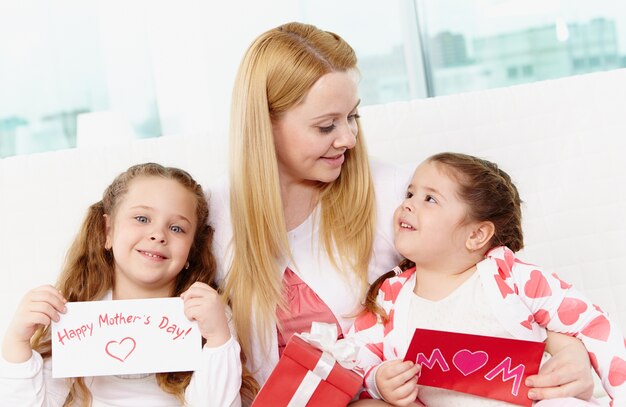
(93, 72)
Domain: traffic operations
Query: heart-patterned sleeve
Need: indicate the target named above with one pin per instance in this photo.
(369, 331)
(559, 307)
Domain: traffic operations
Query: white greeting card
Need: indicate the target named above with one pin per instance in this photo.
(96, 338)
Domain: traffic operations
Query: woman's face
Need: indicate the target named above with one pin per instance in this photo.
(312, 137)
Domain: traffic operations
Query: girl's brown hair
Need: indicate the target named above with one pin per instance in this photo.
(490, 195)
(89, 268)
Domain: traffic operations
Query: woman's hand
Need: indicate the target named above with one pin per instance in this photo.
(39, 307)
(566, 374)
(397, 382)
(204, 305)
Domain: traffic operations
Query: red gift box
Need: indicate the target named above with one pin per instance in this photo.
(306, 376)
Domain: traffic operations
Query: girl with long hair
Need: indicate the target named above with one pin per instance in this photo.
(148, 237)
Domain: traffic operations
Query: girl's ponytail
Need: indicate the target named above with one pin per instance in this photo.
(371, 305)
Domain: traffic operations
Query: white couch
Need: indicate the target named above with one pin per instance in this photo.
(563, 142)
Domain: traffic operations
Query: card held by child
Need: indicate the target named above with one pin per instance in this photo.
(481, 365)
(96, 338)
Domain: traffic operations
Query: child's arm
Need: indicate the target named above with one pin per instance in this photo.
(392, 380)
(25, 378)
(204, 305)
(38, 308)
(566, 373)
(397, 382)
(559, 307)
(218, 382)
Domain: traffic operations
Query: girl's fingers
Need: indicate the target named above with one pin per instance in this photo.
(401, 373)
(198, 289)
(49, 295)
(407, 383)
(46, 309)
(37, 319)
(200, 308)
(410, 399)
(564, 390)
(407, 392)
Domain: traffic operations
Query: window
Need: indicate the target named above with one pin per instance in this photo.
(519, 41)
(64, 59)
(464, 45)
(511, 72)
(149, 68)
(376, 31)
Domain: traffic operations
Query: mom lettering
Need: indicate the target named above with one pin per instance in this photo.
(468, 363)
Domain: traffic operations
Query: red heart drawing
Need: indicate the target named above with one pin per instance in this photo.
(122, 349)
(598, 329)
(468, 362)
(537, 286)
(570, 309)
(617, 372)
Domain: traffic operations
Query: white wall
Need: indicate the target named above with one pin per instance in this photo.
(196, 49)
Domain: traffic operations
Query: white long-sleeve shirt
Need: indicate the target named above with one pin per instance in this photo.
(339, 291)
(215, 384)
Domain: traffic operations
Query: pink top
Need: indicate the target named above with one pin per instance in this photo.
(303, 308)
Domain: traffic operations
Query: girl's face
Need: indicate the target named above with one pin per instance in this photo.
(151, 233)
(312, 137)
(431, 225)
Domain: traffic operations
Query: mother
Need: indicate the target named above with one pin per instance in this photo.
(305, 222)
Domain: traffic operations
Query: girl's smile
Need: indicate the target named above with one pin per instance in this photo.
(153, 255)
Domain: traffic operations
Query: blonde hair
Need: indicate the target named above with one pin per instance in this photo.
(89, 269)
(275, 74)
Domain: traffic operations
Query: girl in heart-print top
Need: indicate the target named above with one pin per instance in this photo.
(458, 228)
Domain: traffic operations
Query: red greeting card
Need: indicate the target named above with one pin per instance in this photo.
(482, 365)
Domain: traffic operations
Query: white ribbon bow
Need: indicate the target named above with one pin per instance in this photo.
(324, 337)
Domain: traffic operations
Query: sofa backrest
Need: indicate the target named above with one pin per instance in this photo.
(562, 141)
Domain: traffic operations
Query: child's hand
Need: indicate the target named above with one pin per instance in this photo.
(204, 305)
(566, 374)
(38, 308)
(397, 382)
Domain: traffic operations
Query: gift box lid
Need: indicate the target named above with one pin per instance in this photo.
(308, 356)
